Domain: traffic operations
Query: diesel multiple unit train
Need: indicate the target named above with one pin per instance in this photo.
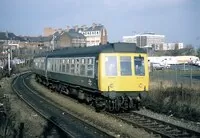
(112, 76)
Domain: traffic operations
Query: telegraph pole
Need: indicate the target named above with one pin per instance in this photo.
(53, 42)
(11, 55)
(9, 62)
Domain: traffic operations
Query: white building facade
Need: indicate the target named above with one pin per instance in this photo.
(172, 46)
(95, 35)
(155, 41)
(92, 37)
(146, 39)
(129, 39)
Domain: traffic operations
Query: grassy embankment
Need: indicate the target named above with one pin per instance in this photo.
(176, 97)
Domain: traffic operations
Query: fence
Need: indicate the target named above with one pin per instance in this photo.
(187, 76)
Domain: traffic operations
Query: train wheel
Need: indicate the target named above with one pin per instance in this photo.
(99, 103)
(118, 103)
(67, 91)
(111, 106)
(96, 105)
(126, 105)
(88, 99)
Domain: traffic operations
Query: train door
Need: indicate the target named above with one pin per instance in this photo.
(141, 73)
(108, 72)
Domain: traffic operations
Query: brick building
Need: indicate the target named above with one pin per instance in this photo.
(95, 34)
(69, 39)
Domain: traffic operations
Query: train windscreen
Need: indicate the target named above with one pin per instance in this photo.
(125, 66)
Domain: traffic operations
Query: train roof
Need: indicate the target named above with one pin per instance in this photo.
(84, 51)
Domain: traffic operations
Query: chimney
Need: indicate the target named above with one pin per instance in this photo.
(76, 28)
(93, 25)
(59, 30)
(6, 34)
(84, 27)
(68, 27)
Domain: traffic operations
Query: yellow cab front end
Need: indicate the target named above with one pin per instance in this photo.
(123, 72)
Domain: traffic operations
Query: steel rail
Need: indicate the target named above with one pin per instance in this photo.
(61, 127)
(155, 126)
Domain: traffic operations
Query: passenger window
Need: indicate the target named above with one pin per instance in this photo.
(63, 65)
(82, 67)
(55, 69)
(125, 66)
(111, 65)
(139, 66)
(72, 66)
(90, 73)
(90, 67)
(52, 64)
(77, 67)
(60, 65)
(82, 70)
(67, 65)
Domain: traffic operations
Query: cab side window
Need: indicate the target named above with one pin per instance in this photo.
(139, 66)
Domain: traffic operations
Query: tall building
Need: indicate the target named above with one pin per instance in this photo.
(146, 39)
(95, 34)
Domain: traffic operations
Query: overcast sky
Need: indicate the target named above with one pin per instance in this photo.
(178, 20)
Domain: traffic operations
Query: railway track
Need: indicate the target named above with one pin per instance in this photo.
(157, 127)
(72, 126)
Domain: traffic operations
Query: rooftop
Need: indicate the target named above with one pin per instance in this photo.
(9, 36)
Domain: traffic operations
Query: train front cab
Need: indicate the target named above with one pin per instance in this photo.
(121, 73)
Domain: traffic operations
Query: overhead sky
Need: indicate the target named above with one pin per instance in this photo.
(178, 20)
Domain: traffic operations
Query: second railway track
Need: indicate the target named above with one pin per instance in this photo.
(157, 127)
(69, 124)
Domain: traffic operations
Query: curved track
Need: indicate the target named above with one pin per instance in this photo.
(158, 127)
(69, 124)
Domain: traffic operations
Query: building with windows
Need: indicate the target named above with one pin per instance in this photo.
(152, 41)
(95, 34)
(146, 39)
(69, 39)
(129, 39)
(171, 46)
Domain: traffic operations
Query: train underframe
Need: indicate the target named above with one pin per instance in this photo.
(101, 101)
